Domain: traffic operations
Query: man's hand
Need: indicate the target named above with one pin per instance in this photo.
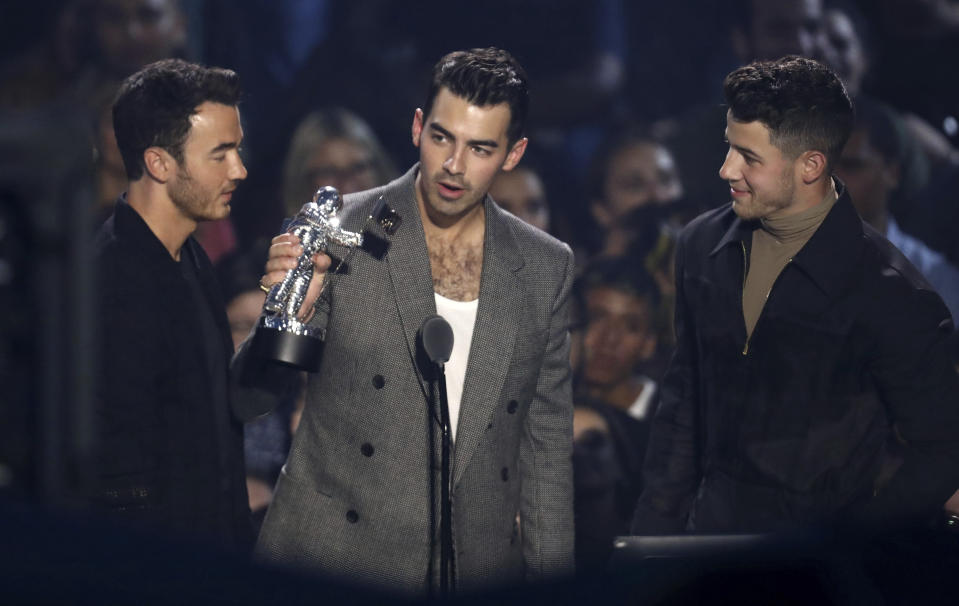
(285, 251)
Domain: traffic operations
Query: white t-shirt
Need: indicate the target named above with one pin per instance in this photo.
(462, 318)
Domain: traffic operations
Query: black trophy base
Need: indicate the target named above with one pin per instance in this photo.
(299, 351)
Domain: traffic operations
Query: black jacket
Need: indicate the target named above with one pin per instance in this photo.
(165, 456)
(795, 425)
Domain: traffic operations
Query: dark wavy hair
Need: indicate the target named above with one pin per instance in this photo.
(801, 101)
(484, 76)
(154, 105)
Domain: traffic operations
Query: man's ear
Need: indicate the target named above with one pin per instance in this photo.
(812, 166)
(417, 128)
(515, 154)
(159, 164)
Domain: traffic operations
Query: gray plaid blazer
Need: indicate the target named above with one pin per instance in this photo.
(358, 496)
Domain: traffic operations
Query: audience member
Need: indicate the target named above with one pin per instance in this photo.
(615, 398)
(521, 191)
(620, 302)
(335, 147)
(634, 187)
(870, 167)
(266, 440)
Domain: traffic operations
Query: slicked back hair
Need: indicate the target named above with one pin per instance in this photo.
(484, 77)
(153, 107)
(801, 101)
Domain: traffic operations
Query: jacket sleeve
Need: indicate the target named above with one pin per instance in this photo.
(258, 386)
(671, 469)
(920, 389)
(546, 452)
(128, 400)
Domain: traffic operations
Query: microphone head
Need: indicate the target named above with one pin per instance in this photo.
(437, 336)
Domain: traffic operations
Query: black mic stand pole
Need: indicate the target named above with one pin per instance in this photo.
(447, 561)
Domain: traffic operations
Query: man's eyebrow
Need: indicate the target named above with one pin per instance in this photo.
(449, 135)
(225, 146)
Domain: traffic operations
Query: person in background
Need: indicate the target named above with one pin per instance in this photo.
(634, 188)
(871, 168)
(332, 146)
(521, 191)
(614, 399)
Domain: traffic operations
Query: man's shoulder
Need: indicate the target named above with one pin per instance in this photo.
(532, 238)
(718, 220)
(888, 268)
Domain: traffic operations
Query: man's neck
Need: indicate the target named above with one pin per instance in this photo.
(807, 197)
(160, 214)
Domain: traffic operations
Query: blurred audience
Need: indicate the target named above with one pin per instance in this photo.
(871, 166)
(266, 441)
(333, 146)
(521, 191)
(633, 187)
(615, 398)
(620, 335)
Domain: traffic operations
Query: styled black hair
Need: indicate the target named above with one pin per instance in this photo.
(484, 76)
(801, 101)
(154, 105)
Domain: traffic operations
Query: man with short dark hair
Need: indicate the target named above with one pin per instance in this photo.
(807, 346)
(169, 453)
(357, 498)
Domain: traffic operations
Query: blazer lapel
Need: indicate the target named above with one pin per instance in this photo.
(497, 316)
(409, 266)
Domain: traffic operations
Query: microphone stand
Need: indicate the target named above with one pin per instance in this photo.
(447, 559)
(436, 338)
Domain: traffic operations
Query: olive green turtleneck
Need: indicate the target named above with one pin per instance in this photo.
(774, 246)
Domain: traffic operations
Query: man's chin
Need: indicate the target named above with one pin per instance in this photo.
(744, 212)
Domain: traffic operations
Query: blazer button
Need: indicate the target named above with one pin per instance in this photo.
(367, 450)
(504, 473)
(378, 381)
(352, 516)
(512, 406)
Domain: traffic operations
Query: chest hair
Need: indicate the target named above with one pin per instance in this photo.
(456, 269)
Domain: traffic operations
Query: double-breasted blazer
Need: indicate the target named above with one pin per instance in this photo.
(358, 496)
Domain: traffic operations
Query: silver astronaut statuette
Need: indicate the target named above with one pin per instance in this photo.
(279, 335)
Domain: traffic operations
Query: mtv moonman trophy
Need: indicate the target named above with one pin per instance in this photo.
(280, 336)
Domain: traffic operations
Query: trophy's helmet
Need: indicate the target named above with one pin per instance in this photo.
(328, 199)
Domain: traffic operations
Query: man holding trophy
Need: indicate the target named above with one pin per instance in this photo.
(358, 497)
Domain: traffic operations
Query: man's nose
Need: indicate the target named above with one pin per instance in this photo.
(455, 163)
(728, 171)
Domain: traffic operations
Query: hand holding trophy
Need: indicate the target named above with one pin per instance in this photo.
(283, 334)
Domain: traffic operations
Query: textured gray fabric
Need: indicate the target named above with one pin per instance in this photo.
(356, 498)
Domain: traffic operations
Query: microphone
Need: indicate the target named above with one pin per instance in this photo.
(437, 336)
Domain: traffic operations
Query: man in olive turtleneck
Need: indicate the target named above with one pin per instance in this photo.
(811, 383)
